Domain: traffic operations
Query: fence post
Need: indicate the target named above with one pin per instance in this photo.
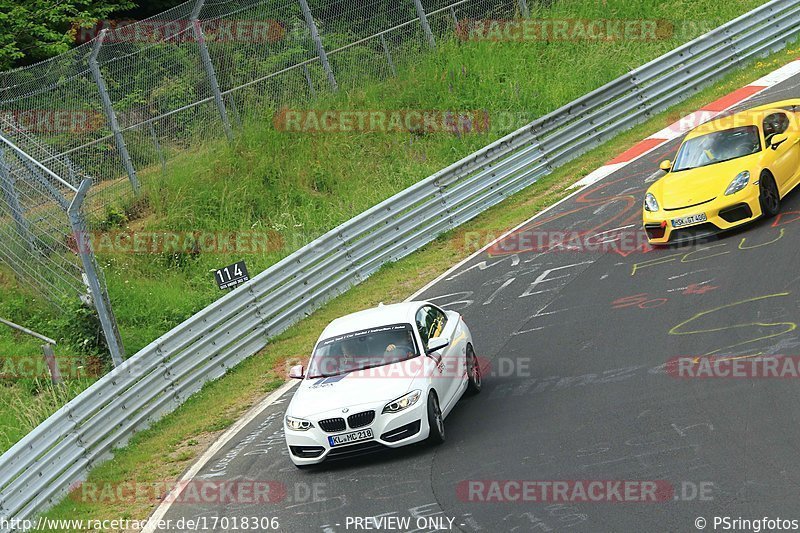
(388, 56)
(323, 57)
(523, 9)
(98, 294)
(423, 20)
(208, 66)
(157, 144)
(52, 363)
(111, 115)
(11, 197)
(307, 74)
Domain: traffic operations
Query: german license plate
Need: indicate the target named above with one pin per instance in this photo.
(350, 438)
(688, 221)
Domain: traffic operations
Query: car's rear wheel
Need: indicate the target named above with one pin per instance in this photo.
(435, 420)
(769, 197)
(473, 372)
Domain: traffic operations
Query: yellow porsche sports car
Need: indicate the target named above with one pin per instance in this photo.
(727, 172)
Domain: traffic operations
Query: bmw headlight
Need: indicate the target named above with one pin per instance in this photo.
(650, 203)
(738, 183)
(403, 402)
(298, 424)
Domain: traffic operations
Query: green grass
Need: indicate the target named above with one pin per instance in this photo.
(165, 450)
(26, 401)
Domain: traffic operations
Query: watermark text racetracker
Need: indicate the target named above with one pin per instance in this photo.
(624, 240)
(564, 30)
(733, 367)
(33, 367)
(376, 367)
(581, 491)
(382, 121)
(191, 242)
(182, 30)
(200, 492)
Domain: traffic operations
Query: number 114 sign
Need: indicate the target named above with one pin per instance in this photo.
(232, 276)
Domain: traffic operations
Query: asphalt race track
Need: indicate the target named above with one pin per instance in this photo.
(578, 343)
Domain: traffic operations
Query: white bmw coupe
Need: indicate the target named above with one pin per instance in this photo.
(383, 377)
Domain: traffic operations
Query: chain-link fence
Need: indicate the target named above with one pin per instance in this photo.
(132, 94)
(43, 229)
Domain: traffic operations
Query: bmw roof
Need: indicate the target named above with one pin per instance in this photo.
(381, 315)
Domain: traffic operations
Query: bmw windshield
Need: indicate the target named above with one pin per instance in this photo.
(717, 147)
(363, 349)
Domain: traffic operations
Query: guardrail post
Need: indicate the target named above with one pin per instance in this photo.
(423, 20)
(97, 292)
(208, 66)
(523, 9)
(11, 197)
(111, 115)
(323, 57)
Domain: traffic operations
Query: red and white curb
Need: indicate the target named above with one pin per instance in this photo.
(689, 122)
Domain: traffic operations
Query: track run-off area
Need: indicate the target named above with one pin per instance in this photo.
(577, 387)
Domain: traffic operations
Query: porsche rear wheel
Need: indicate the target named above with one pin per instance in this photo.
(769, 198)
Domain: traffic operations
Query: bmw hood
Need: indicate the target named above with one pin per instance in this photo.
(316, 396)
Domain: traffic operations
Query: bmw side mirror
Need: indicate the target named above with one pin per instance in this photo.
(436, 344)
(778, 140)
(296, 372)
(665, 165)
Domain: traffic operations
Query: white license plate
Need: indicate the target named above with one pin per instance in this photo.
(350, 438)
(687, 221)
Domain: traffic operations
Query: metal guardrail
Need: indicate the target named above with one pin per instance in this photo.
(40, 468)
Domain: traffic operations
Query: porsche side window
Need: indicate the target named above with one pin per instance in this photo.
(422, 325)
(430, 322)
(437, 320)
(775, 124)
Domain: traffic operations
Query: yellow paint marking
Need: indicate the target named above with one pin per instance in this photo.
(743, 247)
(789, 326)
(685, 258)
(653, 262)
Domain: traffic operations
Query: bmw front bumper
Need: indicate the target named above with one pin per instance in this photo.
(390, 430)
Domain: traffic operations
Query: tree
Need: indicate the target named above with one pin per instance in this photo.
(33, 30)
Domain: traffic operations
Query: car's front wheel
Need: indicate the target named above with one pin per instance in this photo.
(473, 372)
(769, 197)
(435, 420)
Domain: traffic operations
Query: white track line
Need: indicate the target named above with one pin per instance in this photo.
(226, 437)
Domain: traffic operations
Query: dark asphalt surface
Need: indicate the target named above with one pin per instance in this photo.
(578, 389)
